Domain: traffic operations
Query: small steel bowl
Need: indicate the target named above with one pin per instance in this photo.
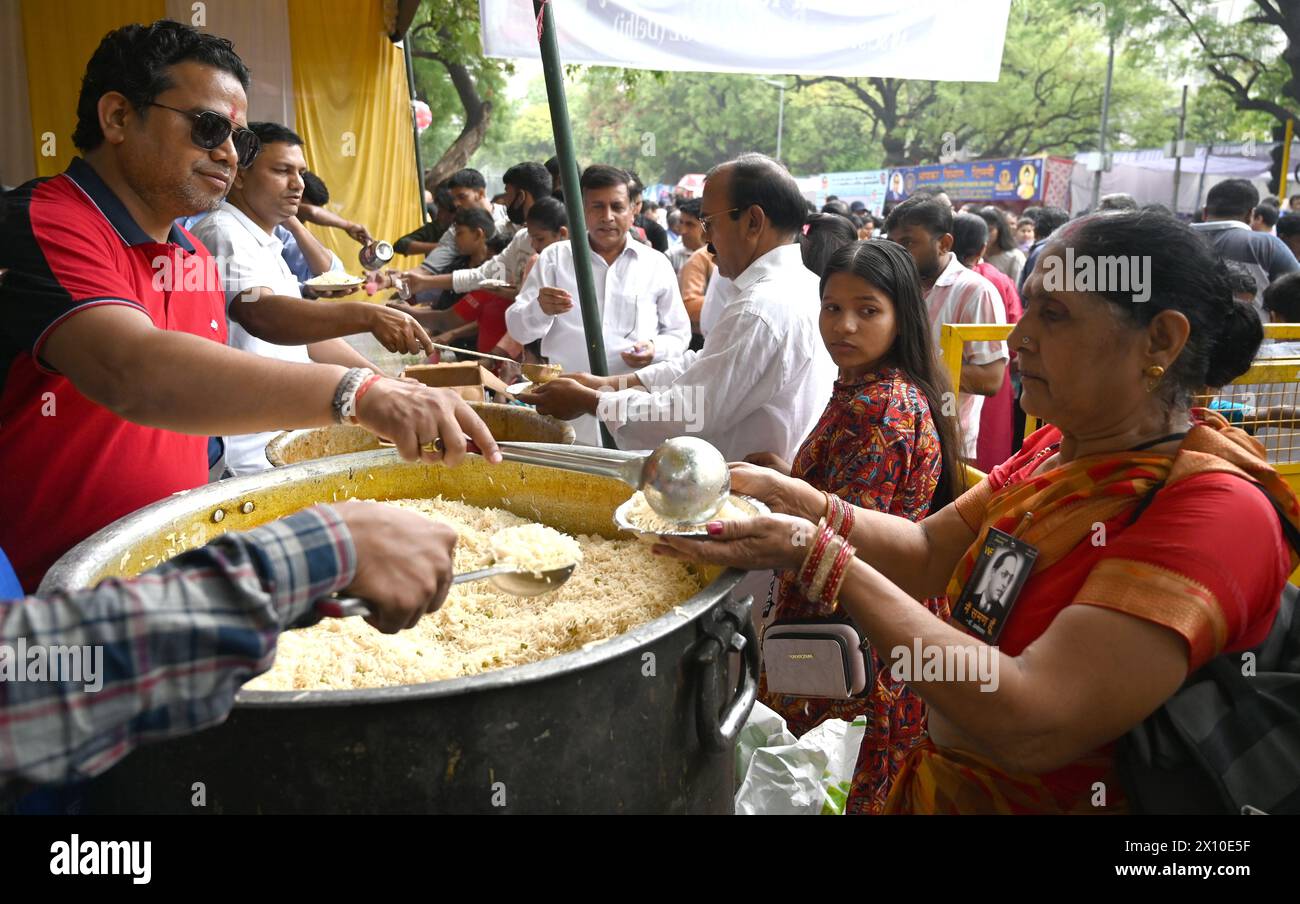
(542, 373)
(622, 521)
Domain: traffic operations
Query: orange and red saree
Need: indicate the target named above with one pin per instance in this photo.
(1206, 560)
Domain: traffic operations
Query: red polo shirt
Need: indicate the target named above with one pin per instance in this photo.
(67, 465)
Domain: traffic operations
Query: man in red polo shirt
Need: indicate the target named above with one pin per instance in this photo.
(113, 363)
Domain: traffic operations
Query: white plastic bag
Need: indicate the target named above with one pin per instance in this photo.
(779, 774)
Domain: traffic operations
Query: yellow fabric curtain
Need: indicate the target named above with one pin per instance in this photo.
(353, 110)
(59, 36)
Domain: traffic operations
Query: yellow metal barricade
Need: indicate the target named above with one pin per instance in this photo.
(952, 336)
(1265, 401)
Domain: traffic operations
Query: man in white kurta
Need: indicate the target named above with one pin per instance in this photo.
(643, 319)
(763, 376)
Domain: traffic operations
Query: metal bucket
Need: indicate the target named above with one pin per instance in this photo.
(507, 422)
(644, 722)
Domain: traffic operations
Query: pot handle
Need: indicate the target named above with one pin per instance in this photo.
(728, 629)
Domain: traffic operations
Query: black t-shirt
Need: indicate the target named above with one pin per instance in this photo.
(656, 234)
(430, 232)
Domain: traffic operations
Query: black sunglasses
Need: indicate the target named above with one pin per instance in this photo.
(210, 130)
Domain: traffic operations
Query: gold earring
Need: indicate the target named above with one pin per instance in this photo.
(1153, 373)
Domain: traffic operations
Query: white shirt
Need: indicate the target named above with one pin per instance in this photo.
(638, 300)
(960, 295)
(759, 384)
(717, 295)
(440, 258)
(507, 266)
(678, 255)
(248, 258)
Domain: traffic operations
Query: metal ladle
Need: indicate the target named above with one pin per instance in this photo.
(685, 480)
(505, 578)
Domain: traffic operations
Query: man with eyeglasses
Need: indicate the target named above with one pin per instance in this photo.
(113, 363)
(763, 376)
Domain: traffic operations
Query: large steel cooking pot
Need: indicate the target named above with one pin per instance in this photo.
(507, 422)
(644, 722)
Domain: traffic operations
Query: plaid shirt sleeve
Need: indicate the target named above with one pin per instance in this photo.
(159, 655)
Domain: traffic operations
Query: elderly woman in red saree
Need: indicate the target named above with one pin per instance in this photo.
(884, 444)
(1156, 528)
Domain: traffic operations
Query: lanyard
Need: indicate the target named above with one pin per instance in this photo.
(1158, 441)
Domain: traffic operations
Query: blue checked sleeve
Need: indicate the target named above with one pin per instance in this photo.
(86, 677)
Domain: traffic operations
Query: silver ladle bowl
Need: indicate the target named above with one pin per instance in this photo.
(685, 480)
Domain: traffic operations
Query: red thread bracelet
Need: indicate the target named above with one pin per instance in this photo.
(361, 390)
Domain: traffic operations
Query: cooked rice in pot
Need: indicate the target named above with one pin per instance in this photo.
(617, 586)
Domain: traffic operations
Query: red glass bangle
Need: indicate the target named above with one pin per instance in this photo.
(836, 577)
(841, 517)
(831, 512)
(810, 564)
(846, 523)
(814, 557)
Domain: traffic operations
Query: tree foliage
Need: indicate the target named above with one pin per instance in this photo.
(1254, 60)
(1047, 99)
(459, 84)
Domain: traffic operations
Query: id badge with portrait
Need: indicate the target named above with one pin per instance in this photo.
(1000, 572)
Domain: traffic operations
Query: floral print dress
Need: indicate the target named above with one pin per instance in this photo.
(875, 447)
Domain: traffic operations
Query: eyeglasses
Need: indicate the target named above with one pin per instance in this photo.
(705, 221)
(210, 131)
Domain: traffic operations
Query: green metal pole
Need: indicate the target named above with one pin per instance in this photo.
(568, 160)
(554, 71)
(415, 129)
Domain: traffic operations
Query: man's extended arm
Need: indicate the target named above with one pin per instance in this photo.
(421, 240)
(321, 216)
(184, 637)
(283, 320)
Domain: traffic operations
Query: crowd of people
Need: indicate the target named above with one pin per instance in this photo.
(801, 342)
